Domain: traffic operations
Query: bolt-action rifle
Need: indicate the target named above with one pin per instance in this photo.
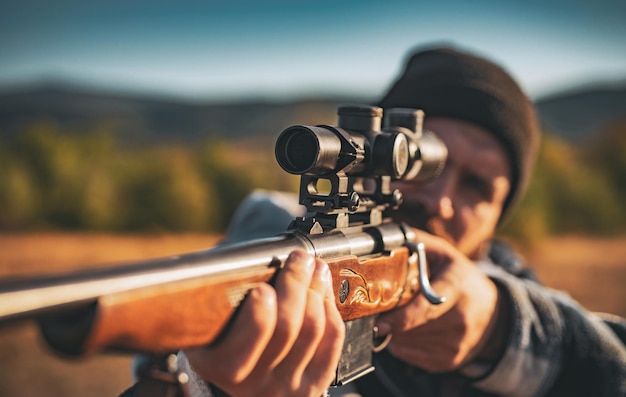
(163, 305)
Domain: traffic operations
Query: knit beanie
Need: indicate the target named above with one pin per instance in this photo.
(446, 82)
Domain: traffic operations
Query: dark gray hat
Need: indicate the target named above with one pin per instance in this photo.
(446, 82)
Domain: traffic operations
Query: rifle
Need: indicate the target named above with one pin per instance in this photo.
(159, 306)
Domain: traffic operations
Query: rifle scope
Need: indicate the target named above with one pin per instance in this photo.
(358, 146)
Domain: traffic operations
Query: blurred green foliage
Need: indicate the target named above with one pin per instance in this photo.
(87, 180)
(60, 180)
(575, 189)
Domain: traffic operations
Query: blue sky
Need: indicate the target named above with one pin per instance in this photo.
(276, 49)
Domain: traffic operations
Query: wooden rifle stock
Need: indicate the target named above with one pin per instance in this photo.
(187, 300)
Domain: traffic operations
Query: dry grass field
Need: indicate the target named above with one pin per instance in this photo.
(592, 270)
(29, 369)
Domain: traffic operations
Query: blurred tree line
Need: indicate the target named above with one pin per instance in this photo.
(577, 189)
(53, 180)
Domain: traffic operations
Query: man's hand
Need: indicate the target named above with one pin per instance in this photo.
(439, 338)
(285, 341)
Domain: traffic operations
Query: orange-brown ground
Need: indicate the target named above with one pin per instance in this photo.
(592, 270)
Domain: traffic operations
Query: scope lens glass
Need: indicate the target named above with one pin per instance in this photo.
(301, 150)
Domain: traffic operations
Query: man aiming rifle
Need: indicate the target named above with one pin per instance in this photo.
(498, 333)
(292, 315)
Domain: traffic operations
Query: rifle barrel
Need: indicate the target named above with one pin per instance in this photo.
(27, 296)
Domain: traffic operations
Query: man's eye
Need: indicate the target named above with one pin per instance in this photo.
(478, 184)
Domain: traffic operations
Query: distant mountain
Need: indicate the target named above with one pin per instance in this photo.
(139, 119)
(571, 114)
(579, 113)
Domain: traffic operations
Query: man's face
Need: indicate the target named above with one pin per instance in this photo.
(464, 203)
